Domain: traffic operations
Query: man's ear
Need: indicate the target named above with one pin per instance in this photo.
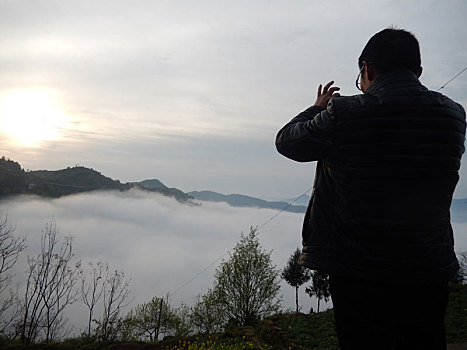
(371, 72)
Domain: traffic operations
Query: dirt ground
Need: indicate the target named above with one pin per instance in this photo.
(458, 346)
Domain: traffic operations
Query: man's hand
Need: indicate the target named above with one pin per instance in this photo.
(326, 94)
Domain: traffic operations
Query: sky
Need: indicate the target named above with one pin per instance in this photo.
(194, 92)
(191, 93)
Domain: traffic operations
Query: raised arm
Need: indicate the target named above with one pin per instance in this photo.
(308, 136)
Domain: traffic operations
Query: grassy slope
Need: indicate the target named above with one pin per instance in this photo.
(288, 331)
(456, 316)
(317, 331)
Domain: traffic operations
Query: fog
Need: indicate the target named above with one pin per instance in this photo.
(160, 244)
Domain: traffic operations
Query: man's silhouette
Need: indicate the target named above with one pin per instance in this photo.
(378, 221)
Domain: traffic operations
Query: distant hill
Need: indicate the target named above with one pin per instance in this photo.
(458, 207)
(238, 200)
(69, 181)
(152, 184)
(303, 200)
(14, 180)
(79, 179)
(155, 185)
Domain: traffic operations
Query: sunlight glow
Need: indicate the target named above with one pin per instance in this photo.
(29, 117)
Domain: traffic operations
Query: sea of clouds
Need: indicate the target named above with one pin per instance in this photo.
(160, 244)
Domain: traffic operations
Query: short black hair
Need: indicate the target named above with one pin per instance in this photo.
(392, 48)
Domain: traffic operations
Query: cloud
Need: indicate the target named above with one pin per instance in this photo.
(159, 243)
(151, 81)
(460, 236)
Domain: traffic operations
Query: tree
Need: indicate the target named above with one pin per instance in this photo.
(181, 324)
(153, 318)
(115, 298)
(50, 286)
(207, 316)
(12, 177)
(319, 287)
(92, 287)
(10, 248)
(127, 330)
(247, 284)
(295, 274)
(461, 275)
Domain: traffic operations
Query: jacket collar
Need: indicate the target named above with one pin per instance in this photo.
(401, 77)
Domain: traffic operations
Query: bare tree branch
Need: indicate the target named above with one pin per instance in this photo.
(92, 287)
(50, 286)
(10, 248)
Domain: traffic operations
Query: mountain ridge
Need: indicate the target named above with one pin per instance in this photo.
(79, 179)
(56, 183)
(239, 200)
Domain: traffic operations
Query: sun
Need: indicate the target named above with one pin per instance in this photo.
(29, 117)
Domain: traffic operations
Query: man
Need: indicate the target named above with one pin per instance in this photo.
(378, 221)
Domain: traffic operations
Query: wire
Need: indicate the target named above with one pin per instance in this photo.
(227, 252)
(454, 77)
(199, 273)
(283, 209)
(275, 215)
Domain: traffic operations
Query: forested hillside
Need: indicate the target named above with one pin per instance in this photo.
(78, 179)
(13, 179)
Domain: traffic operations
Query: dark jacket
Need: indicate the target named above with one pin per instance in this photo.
(388, 164)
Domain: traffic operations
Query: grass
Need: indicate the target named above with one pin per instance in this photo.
(456, 315)
(315, 331)
(279, 332)
(214, 342)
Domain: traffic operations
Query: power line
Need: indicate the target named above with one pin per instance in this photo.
(283, 209)
(276, 214)
(199, 273)
(227, 252)
(454, 77)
